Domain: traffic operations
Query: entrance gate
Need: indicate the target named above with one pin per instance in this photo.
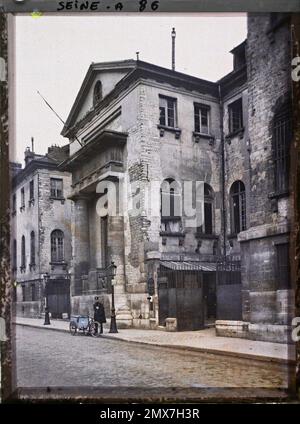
(58, 297)
(180, 296)
(229, 289)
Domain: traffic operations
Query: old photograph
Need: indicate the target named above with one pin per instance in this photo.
(151, 201)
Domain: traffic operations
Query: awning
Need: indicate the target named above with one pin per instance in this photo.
(190, 266)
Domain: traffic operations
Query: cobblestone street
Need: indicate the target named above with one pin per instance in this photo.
(49, 358)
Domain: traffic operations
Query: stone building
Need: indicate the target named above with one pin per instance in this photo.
(136, 128)
(41, 234)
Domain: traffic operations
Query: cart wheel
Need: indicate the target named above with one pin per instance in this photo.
(73, 328)
(93, 327)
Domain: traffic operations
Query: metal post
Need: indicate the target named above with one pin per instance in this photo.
(47, 316)
(113, 322)
(173, 48)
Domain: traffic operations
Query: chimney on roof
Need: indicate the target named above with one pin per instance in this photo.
(173, 34)
(32, 144)
(137, 56)
(29, 155)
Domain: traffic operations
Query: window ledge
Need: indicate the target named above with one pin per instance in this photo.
(230, 136)
(171, 234)
(61, 199)
(206, 236)
(278, 195)
(198, 136)
(232, 236)
(170, 218)
(163, 128)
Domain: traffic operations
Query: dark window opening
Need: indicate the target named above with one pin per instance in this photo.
(23, 293)
(170, 206)
(32, 248)
(56, 188)
(57, 246)
(14, 255)
(22, 198)
(14, 204)
(97, 93)
(282, 135)
(238, 207)
(167, 112)
(235, 111)
(207, 226)
(23, 253)
(283, 267)
(201, 118)
(31, 190)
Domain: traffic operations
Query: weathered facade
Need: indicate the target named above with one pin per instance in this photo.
(41, 234)
(142, 129)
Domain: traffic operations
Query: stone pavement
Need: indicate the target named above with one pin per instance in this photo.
(202, 340)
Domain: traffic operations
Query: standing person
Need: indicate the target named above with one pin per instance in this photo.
(99, 315)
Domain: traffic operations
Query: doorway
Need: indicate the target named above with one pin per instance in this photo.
(58, 297)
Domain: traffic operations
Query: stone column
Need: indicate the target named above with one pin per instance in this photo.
(81, 241)
(116, 250)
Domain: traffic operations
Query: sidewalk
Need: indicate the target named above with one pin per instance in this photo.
(202, 341)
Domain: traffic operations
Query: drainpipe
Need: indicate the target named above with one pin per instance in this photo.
(223, 221)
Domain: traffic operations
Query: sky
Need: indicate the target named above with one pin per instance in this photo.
(53, 54)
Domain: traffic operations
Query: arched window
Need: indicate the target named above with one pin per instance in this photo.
(32, 248)
(57, 246)
(170, 205)
(97, 92)
(280, 145)
(207, 226)
(238, 207)
(23, 253)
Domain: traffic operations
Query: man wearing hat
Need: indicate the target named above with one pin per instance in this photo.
(99, 315)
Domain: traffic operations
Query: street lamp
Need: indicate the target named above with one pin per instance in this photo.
(47, 316)
(113, 322)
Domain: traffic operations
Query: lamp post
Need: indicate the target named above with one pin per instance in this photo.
(113, 322)
(47, 316)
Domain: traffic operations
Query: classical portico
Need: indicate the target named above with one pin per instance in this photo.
(97, 234)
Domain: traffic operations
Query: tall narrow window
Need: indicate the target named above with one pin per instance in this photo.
(97, 93)
(170, 206)
(14, 204)
(23, 253)
(31, 190)
(22, 198)
(57, 246)
(238, 207)
(23, 293)
(167, 112)
(283, 268)
(56, 188)
(201, 117)
(32, 248)
(280, 143)
(14, 267)
(207, 226)
(235, 112)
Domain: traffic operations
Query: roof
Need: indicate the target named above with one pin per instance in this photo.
(189, 266)
(136, 69)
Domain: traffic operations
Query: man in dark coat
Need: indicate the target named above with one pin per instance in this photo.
(99, 315)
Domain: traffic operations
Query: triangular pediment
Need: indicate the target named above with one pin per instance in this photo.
(106, 76)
